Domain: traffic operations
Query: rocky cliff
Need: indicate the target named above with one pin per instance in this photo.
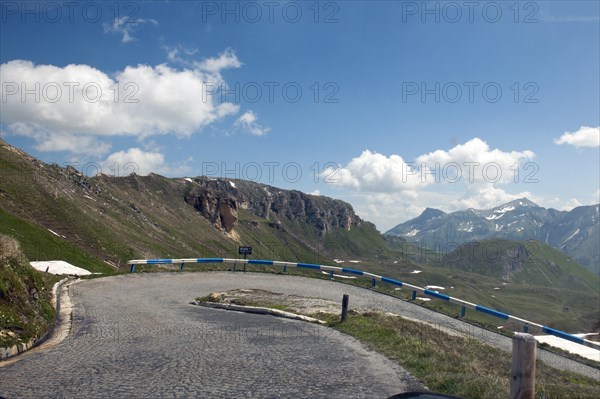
(218, 200)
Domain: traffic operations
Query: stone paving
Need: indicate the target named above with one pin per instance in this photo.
(137, 336)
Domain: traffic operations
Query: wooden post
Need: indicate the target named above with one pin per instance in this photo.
(345, 300)
(522, 375)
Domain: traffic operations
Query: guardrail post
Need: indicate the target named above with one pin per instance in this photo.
(526, 328)
(522, 375)
(284, 268)
(345, 300)
(462, 311)
(331, 275)
(132, 268)
(414, 295)
(373, 282)
(182, 266)
(233, 266)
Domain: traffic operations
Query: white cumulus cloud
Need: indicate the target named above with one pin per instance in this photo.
(486, 196)
(584, 137)
(248, 121)
(475, 162)
(83, 104)
(471, 163)
(388, 189)
(125, 27)
(226, 59)
(138, 161)
(375, 172)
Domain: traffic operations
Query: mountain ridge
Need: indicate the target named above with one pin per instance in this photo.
(575, 232)
(119, 218)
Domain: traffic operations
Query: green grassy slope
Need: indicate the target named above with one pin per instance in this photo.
(26, 310)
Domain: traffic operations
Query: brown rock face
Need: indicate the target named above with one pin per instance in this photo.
(218, 200)
(219, 209)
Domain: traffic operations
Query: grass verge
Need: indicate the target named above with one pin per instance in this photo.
(455, 365)
(26, 309)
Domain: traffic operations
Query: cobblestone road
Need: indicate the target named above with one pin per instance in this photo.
(136, 336)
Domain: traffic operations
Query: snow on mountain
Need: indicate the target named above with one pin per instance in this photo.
(576, 233)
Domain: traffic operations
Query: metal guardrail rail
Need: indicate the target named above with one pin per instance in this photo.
(431, 293)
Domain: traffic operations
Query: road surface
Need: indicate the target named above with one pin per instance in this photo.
(137, 336)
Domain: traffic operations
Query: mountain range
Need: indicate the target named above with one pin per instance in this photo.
(99, 222)
(576, 233)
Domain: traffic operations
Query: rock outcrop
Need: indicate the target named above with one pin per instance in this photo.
(218, 200)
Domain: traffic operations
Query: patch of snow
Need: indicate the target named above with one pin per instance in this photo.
(424, 299)
(415, 272)
(506, 209)
(412, 233)
(494, 217)
(188, 180)
(338, 261)
(571, 236)
(56, 234)
(232, 184)
(584, 351)
(434, 287)
(496, 288)
(59, 267)
(355, 261)
(397, 289)
(395, 261)
(468, 228)
(338, 275)
(88, 197)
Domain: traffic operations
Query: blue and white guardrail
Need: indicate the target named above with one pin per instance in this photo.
(464, 304)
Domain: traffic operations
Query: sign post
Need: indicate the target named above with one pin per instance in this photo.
(245, 251)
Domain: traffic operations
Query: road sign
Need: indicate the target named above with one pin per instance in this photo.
(245, 251)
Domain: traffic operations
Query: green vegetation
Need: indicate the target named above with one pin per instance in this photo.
(446, 361)
(26, 310)
(454, 365)
(38, 243)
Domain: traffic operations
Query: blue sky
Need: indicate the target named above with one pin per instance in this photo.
(393, 106)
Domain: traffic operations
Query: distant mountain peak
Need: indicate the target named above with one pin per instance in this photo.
(575, 232)
(432, 212)
(521, 202)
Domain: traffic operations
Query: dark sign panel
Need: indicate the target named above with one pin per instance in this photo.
(245, 250)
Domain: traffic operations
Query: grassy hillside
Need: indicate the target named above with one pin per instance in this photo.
(528, 262)
(37, 243)
(115, 219)
(26, 310)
